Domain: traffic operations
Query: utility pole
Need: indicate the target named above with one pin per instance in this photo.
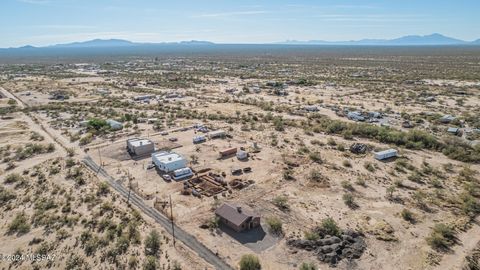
(101, 164)
(129, 186)
(171, 218)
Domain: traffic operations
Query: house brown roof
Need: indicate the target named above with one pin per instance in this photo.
(234, 214)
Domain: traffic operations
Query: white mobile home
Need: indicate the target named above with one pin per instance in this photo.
(216, 134)
(382, 155)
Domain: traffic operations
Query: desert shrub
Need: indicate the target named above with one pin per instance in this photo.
(347, 185)
(347, 163)
(316, 157)
(315, 176)
(5, 196)
(349, 200)
(369, 166)
(122, 244)
(13, 178)
(441, 237)
(361, 182)
(86, 139)
(19, 225)
(132, 262)
(311, 235)
(152, 243)
(330, 227)
(103, 188)
(331, 141)
(469, 205)
(74, 261)
(275, 225)
(281, 202)
(70, 163)
(250, 262)
(308, 266)
(408, 215)
(150, 263)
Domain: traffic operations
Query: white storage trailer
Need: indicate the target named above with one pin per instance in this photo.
(182, 173)
(386, 154)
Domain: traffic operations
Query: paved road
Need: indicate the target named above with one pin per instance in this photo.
(180, 234)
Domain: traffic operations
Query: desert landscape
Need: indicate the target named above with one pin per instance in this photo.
(332, 158)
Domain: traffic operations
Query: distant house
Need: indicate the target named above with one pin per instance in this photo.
(237, 218)
(140, 147)
(115, 125)
(59, 95)
(382, 155)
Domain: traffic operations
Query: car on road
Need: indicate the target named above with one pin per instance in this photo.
(167, 177)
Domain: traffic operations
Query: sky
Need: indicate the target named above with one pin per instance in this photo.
(47, 22)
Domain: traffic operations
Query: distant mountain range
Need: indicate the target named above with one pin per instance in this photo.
(97, 43)
(433, 39)
(111, 43)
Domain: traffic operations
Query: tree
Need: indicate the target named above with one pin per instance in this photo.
(330, 227)
(152, 243)
(275, 225)
(390, 191)
(250, 262)
(150, 263)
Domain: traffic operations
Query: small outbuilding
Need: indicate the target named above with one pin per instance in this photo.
(199, 139)
(228, 152)
(236, 217)
(242, 155)
(140, 147)
(386, 154)
(217, 134)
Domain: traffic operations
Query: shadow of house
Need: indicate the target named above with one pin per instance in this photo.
(254, 235)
